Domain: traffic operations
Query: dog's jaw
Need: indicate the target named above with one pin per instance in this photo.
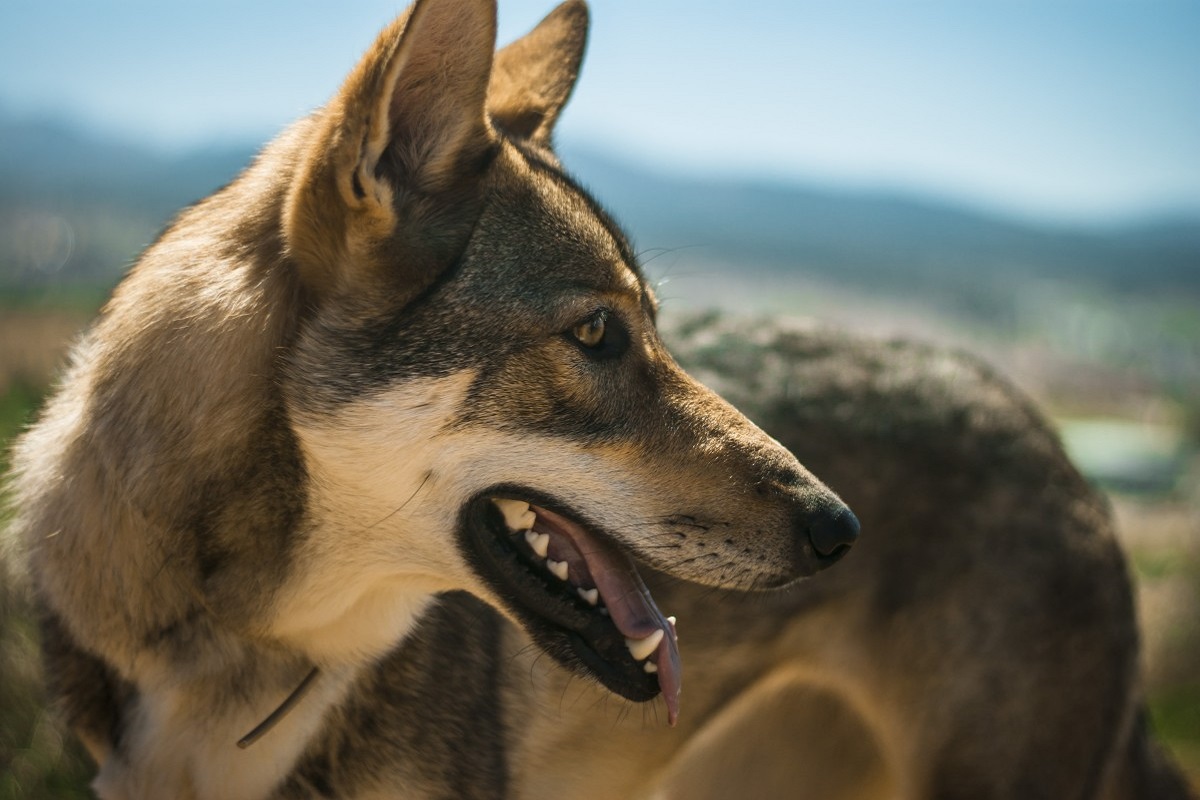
(578, 594)
(390, 476)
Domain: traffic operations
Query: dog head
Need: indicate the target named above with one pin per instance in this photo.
(481, 396)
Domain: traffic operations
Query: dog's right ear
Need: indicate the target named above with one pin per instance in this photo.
(385, 191)
(533, 77)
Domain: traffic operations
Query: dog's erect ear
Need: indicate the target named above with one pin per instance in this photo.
(386, 180)
(534, 76)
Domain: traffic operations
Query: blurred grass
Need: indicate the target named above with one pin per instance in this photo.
(78, 300)
(1168, 582)
(1176, 715)
(38, 759)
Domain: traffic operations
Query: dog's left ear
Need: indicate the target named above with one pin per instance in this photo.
(533, 77)
(386, 189)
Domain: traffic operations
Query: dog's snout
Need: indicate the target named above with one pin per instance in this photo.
(831, 531)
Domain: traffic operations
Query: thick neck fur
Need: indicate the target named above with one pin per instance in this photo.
(162, 496)
(180, 735)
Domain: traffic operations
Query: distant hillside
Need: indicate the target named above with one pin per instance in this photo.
(890, 239)
(75, 206)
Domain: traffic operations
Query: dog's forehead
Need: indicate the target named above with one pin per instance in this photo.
(564, 233)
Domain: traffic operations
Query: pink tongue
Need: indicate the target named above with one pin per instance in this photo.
(629, 603)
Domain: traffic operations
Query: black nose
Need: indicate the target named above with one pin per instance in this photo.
(832, 532)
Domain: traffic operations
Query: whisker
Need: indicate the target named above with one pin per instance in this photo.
(401, 507)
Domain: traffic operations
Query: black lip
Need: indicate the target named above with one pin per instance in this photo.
(572, 632)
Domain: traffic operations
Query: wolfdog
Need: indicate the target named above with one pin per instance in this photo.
(367, 433)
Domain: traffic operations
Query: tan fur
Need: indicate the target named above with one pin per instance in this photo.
(533, 77)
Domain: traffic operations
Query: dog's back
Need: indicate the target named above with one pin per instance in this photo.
(985, 634)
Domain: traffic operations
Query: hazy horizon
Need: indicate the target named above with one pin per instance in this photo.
(1058, 111)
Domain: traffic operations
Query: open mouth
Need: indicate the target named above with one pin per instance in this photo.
(577, 593)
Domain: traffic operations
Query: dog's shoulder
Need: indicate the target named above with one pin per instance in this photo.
(788, 374)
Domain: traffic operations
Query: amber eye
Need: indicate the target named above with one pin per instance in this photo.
(590, 332)
(601, 336)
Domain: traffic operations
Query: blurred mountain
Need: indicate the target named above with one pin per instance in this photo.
(78, 206)
(886, 240)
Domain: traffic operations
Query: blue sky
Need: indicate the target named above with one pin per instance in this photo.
(1068, 109)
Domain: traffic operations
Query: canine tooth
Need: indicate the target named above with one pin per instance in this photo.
(517, 514)
(559, 568)
(642, 648)
(591, 595)
(540, 542)
(650, 667)
(672, 620)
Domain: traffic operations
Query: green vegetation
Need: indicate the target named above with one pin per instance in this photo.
(38, 758)
(81, 300)
(1175, 713)
(16, 406)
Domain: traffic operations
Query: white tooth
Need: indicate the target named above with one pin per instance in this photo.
(517, 515)
(650, 667)
(559, 568)
(642, 648)
(672, 620)
(540, 542)
(591, 595)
